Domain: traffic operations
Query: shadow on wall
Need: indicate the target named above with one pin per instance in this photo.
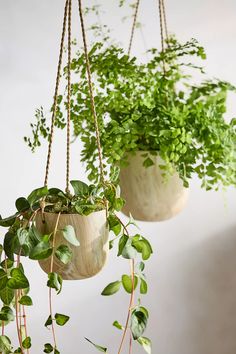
(200, 303)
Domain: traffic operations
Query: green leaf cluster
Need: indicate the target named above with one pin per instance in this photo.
(140, 107)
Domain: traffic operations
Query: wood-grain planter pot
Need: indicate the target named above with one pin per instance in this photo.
(149, 197)
(92, 232)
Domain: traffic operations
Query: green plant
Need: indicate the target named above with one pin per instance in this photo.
(153, 107)
(23, 239)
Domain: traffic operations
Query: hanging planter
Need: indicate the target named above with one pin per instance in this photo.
(148, 194)
(149, 108)
(86, 236)
(67, 233)
(89, 253)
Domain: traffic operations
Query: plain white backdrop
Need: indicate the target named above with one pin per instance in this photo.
(192, 293)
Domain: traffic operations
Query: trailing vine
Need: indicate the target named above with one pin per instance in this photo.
(24, 239)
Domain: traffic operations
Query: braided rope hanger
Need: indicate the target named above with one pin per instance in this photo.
(67, 13)
(133, 25)
(55, 101)
(163, 24)
(68, 102)
(91, 92)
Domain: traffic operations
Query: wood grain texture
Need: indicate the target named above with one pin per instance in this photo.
(90, 257)
(148, 196)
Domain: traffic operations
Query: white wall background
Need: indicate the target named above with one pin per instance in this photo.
(192, 296)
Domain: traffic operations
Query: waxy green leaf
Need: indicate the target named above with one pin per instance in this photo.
(64, 254)
(70, 236)
(139, 318)
(5, 345)
(26, 300)
(146, 344)
(98, 347)
(22, 204)
(111, 288)
(117, 325)
(127, 283)
(48, 348)
(17, 280)
(55, 282)
(36, 195)
(61, 319)
(26, 343)
(80, 188)
(6, 314)
(42, 250)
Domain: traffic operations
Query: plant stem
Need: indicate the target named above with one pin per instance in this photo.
(50, 289)
(25, 324)
(131, 303)
(129, 309)
(17, 311)
(130, 343)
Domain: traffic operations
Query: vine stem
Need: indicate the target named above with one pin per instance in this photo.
(130, 343)
(50, 289)
(3, 323)
(25, 324)
(131, 302)
(17, 311)
(129, 311)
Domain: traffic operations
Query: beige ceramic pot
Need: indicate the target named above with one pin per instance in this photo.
(149, 197)
(90, 257)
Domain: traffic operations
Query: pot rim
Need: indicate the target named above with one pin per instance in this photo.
(71, 214)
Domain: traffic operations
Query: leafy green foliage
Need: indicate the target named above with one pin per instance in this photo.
(131, 247)
(149, 110)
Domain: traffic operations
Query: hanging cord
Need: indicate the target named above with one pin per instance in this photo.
(161, 25)
(165, 20)
(68, 102)
(133, 26)
(163, 30)
(56, 95)
(91, 93)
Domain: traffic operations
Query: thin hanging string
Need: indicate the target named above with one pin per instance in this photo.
(91, 93)
(68, 101)
(163, 30)
(165, 20)
(161, 25)
(56, 95)
(133, 26)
